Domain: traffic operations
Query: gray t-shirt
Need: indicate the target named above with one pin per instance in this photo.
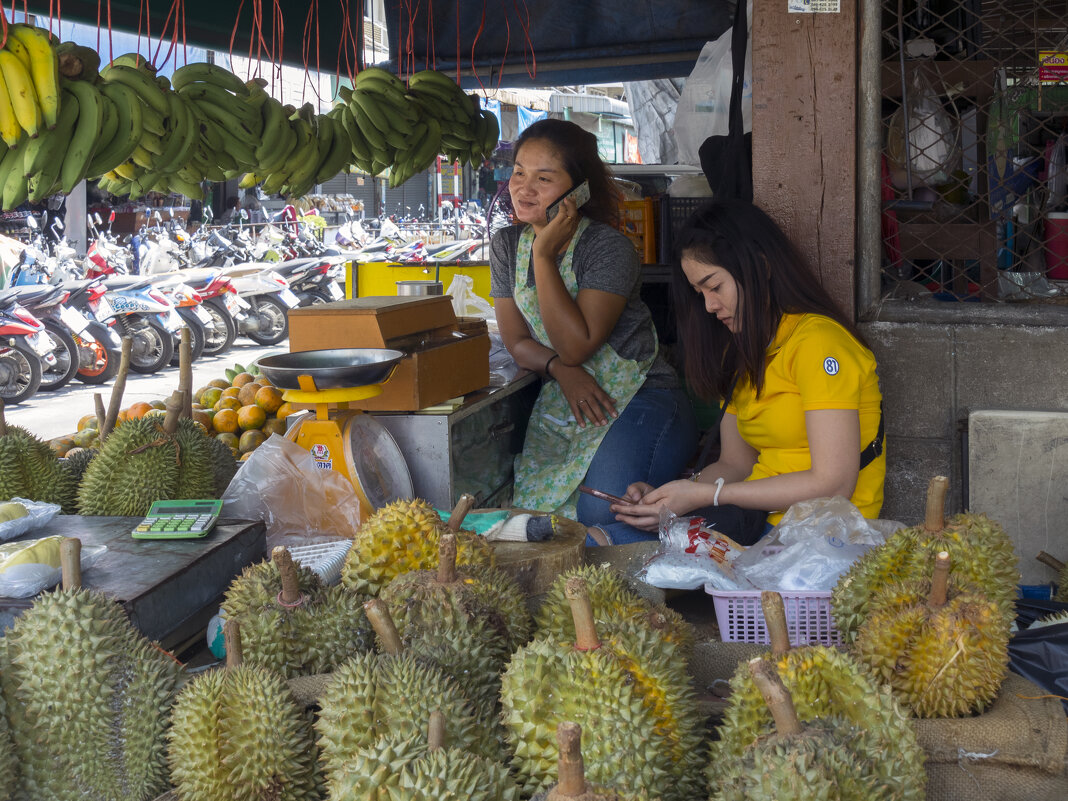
(604, 260)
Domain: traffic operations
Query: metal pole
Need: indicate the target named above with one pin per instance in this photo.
(869, 151)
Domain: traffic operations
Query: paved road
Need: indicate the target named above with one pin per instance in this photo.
(53, 414)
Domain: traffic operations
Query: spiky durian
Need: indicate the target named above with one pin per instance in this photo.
(823, 683)
(613, 601)
(571, 782)
(30, 469)
(981, 551)
(237, 734)
(468, 621)
(223, 464)
(447, 773)
(1050, 620)
(943, 648)
(630, 692)
(399, 538)
(9, 766)
(367, 774)
(826, 759)
(87, 699)
(145, 460)
(291, 622)
(78, 460)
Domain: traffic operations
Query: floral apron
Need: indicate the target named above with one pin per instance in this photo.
(557, 451)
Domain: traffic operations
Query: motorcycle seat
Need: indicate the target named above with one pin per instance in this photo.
(36, 295)
(127, 282)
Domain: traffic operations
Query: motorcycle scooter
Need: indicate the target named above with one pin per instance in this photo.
(25, 348)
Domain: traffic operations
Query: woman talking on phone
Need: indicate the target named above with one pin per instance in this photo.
(803, 416)
(610, 410)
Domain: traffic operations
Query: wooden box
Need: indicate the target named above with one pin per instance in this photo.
(446, 357)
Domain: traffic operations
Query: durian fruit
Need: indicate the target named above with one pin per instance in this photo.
(630, 692)
(144, 460)
(467, 621)
(981, 552)
(236, 734)
(30, 469)
(571, 779)
(827, 759)
(1062, 574)
(87, 700)
(9, 766)
(367, 774)
(613, 601)
(824, 683)
(291, 622)
(223, 465)
(1050, 620)
(402, 537)
(78, 460)
(943, 648)
(373, 696)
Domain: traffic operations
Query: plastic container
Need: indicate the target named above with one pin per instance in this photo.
(324, 559)
(1057, 244)
(808, 617)
(638, 223)
(674, 212)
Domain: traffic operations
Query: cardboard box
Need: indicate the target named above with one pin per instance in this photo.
(446, 357)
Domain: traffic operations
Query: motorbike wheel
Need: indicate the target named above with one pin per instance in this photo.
(20, 373)
(105, 365)
(221, 338)
(314, 297)
(274, 321)
(197, 335)
(153, 346)
(66, 353)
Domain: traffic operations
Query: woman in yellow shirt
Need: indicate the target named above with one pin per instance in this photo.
(803, 414)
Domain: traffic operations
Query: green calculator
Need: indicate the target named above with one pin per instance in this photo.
(170, 520)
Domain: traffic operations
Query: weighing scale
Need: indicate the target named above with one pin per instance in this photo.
(339, 437)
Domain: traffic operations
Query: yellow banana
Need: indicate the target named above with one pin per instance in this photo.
(20, 90)
(10, 130)
(44, 67)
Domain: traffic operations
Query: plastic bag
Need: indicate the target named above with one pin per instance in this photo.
(933, 139)
(465, 301)
(1040, 654)
(29, 566)
(704, 104)
(815, 542)
(281, 485)
(38, 513)
(692, 555)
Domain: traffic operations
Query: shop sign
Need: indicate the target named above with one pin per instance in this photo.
(813, 6)
(1052, 66)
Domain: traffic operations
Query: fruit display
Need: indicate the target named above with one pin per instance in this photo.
(241, 410)
(292, 623)
(941, 646)
(571, 779)
(87, 700)
(980, 551)
(30, 469)
(613, 602)
(837, 759)
(237, 734)
(399, 538)
(630, 692)
(823, 683)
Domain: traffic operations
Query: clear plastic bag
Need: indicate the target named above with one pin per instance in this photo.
(38, 513)
(691, 555)
(465, 301)
(29, 566)
(281, 485)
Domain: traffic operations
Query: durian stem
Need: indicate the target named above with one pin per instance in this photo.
(935, 516)
(459, 512)
(572, 772)
(287, 571)
(939, 581)
(775, 621)
(776, 696)
(435, 732)
(101, 414)
(447, 558)
(1049, 560)
(185, 371)
(382, 622)
(578, 597)
(232, 643)
(3, 421)
(174, 412)
(70, 562)
(117, 389)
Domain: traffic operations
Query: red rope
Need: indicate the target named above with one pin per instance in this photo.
(532, 65)
(279, 33)
(457, 41)
(171, 14)
(431, 51)
(312, 9)
(111, 47)
(3, 21)
(233, 33)
(504, 55)
(478, 35)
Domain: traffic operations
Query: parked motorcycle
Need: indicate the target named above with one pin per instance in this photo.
(147, 316)
(25, 348)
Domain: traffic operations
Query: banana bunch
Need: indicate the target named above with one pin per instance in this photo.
(468, 133)
(29, 84)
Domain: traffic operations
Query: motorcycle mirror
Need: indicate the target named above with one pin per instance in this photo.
(157, 216)
(96, 218)
(57, 223)
(31, 222)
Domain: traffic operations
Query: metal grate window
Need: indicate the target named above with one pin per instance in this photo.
(974, 114)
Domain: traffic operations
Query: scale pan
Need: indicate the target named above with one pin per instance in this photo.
(335, 368)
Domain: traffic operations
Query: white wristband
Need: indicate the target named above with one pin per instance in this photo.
(719, 485)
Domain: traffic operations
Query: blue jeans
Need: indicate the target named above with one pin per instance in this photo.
(652, 440)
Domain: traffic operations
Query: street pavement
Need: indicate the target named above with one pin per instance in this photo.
(54, 414)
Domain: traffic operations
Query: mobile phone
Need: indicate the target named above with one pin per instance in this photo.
(604, 496)
(580, 194)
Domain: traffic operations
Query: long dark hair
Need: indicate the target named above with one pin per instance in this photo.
(773, 279)
(577, 149)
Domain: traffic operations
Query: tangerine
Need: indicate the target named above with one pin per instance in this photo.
(210, 396)
(231, 392)
(274, 426)
(285, 410)
(247, 393)
(61, 445)
(87, 421)
(241, 379)
(138, 409)
(250, 417)
(158, 404)
(202, 417)
(225, 422)
(251, 440)
(227, 403)
(228, 439)
(219, 383)
(269, 399)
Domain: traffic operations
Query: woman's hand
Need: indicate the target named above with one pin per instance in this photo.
(588, 402)
(679, 497)
(554, 237)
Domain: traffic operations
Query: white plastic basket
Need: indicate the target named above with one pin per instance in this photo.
(809, 620)
(324, 558)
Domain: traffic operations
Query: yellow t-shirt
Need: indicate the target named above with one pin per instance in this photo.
(812, 363)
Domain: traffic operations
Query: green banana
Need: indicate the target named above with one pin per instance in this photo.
(361, 151)
(133, 60)
(369, 105)
(191, 189)
(370, 73)
(338, 155)
(140, 82)
(15, 189)
(151, 120)
(83, 140)
(370, 132)
(208, 73)
(224, 99)
(275, 160)
(128, 108)
(192, 136)
(44, 155)
(274, 130)
(429, 148)
(493, 132)
(109, 127)
(182, 130)
(226, 121)
(154, 144)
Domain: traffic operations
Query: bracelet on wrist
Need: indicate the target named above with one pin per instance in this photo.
(547, 363)
(719, 485)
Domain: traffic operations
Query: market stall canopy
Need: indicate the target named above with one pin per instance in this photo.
(524, 43)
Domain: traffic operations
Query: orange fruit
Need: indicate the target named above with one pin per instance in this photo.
(219, 383)
(250, 440)
(228, 439)
(244, 456)
(202, 417)
(241, 379)
(247, 393)
(139, 409)
(210, 396)
(274, 426)
(225, 421)
(231, 392)
(269, 399)
(251, 416)
(285, 410)
(227, 403)
(61, 445)
(87, 421)
(122, 416)
(158, 404)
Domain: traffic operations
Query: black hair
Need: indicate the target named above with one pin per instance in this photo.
(772, 279)
(577, 149)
